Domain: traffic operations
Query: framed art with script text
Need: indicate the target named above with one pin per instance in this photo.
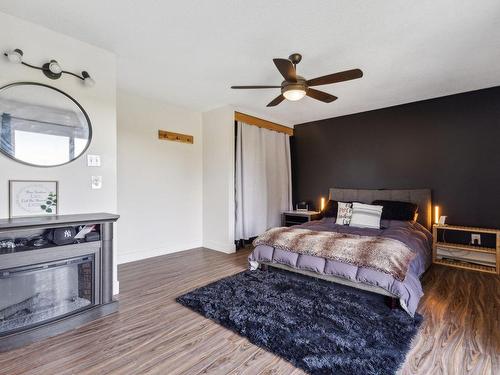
(33, 198)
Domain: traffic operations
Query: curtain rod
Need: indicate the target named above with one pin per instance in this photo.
(261, 123)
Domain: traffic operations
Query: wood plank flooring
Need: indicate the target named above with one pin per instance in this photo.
(152, 334)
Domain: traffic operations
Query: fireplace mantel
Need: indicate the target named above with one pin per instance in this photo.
(100, 253)
(56, 221)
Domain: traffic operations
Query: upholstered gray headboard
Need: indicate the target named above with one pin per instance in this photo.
(421, 197)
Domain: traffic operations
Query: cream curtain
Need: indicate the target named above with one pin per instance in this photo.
(263, 179)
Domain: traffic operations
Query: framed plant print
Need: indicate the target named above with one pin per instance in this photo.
(33, 198)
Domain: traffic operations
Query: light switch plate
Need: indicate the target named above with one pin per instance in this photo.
(93, 160)
(96, 182)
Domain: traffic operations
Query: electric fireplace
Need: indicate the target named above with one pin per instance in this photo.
(40, 293)
(49, 286)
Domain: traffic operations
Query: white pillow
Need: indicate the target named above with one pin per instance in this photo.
(366, 215)
(344, 213)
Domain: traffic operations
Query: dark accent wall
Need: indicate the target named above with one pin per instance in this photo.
(449, 144)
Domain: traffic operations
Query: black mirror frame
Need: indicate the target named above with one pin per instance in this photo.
(69, 97)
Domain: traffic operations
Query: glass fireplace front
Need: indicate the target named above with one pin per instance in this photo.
(35, 294)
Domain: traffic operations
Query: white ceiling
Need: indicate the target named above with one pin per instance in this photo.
(188, 52)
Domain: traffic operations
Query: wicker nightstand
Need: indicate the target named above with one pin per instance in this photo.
(472, 257)
(290, 218)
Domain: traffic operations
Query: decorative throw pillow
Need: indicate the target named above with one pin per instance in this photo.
(395, 210)
(344, 213)
(366, 215)
(331, 209)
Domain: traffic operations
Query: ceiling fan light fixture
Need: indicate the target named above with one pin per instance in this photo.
(294, 92)
(295, 87)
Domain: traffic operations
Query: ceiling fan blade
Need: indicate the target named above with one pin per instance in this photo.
(255, 87)
(276, 101)
(287, 69)
(336, 77)
(320, 95)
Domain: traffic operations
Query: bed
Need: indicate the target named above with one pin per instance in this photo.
(415, 235)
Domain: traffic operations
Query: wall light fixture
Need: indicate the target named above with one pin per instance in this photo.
(51, 69)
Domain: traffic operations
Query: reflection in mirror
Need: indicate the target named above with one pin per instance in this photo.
(41, 125)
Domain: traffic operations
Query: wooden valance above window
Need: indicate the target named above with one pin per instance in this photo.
(251, 120)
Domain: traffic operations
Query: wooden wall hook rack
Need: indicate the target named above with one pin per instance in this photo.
(176, 137)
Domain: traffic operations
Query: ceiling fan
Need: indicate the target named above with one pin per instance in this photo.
(295, 87)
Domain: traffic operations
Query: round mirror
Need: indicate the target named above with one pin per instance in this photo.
(41, 125)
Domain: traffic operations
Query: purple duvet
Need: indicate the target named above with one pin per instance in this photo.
(409, 291)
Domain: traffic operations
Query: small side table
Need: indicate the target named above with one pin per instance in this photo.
(290, 218)
(467, 256)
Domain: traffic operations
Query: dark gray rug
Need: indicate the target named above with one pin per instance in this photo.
(318, 326)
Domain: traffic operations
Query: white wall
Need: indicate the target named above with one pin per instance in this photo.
(174, 196)
(218, 179)
(159, 182)
(39, 45)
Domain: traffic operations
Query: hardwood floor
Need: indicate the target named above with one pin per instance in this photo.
(461, 330)
(152, 334)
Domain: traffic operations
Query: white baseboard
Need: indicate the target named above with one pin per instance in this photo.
(227, 248)
(144, 254)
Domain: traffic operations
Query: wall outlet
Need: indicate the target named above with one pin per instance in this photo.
(475, 239)
(96, 182)
(93, 160)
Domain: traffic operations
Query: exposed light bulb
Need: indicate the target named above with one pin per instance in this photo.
(294, 94)
(87, 80)
(15, 56)
(54, 67)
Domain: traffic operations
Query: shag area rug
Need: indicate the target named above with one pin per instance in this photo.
(318, 326)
